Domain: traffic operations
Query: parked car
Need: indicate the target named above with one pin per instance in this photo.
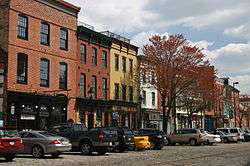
(87, 141)
(247, 135)
(125, 138)
(234, 131)
(186, 136)
(141, 142)
(226, 138)
(39, 143)
(211, 138)
(156, 137)
(10, 143)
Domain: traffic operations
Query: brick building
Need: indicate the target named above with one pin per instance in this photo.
(40, 39)
(93, 78)
(3, 59)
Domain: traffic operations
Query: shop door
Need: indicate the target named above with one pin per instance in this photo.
(90, 120)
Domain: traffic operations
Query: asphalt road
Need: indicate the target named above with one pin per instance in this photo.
(221, 154)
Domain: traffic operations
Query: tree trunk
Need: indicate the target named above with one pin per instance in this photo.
(164, 120)
(174, 113)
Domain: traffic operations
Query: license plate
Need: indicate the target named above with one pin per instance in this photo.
(12, 143)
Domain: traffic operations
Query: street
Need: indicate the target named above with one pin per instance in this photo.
(221, 154)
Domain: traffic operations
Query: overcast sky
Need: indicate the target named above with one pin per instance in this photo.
(221, 27)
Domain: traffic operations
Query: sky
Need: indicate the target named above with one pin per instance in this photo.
(220, 27)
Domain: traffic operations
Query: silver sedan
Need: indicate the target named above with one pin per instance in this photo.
(39, 143)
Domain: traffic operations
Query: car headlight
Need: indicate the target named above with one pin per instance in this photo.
(159, 136)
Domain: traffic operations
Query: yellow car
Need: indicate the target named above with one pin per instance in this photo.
(141, 142)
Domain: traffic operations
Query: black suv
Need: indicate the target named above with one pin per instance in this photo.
(156, 137)
(87, 141)
(125, 139)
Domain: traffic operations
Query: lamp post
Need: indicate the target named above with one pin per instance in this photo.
(235, 114)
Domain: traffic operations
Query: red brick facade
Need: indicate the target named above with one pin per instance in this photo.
(58, 14)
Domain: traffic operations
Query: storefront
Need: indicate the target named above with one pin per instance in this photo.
(35, 111)
(103, 113)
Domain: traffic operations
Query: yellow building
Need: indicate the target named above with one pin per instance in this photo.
(123, 81)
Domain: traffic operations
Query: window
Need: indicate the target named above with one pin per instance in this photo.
(104, 59)
(124, 64)
(116, 62)
(22, 67)
(144, 97)
(124, 92)
(104, 88)
(44, 73)
(63, 39)
(94, 56)
(131, 93)
(94, 87)
(82, 85)
(22, 30)
(44, 34)
(131, 65)
(83, 53)
(63, 75)
(153, 98)
(116, 91)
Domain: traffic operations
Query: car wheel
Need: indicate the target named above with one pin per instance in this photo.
(9, 157)
(192, 142)
(86, 148)
(122, 149)
(167, 142)
(37, 152)
(225, 140)
(55, 155)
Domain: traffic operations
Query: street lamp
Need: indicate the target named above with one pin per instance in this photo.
(235, 119)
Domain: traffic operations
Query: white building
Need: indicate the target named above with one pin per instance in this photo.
(151, 115)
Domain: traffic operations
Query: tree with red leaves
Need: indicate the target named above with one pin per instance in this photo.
(174, 67)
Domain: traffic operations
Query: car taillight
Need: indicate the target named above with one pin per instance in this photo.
(54, 142)
(101, 136)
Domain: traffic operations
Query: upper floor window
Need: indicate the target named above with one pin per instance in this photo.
(82, 85)
(116, 62)
(63, 39)
(44, 72)
(124, 64)
(117, 91)
(94, 87)
(104, 88)
(22, 68)
(44, 33)
(131, 93)
(104, 59)
(83, 53)
(153, 98)
(124, 92)
(130, 65)
(63, 75)
(94, 56)
(22, 27)
(144, 97)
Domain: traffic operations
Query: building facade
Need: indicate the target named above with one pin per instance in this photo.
(93, 78)
(123, 81)
(41, 43)
(151, 116)
(3, 66)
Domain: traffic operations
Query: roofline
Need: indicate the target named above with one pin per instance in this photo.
(69, 5)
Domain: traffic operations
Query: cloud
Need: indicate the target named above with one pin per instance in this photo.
(132, 16)
(242, 31)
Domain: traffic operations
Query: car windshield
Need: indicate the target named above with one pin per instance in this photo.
(8, 133)
(47, 134)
